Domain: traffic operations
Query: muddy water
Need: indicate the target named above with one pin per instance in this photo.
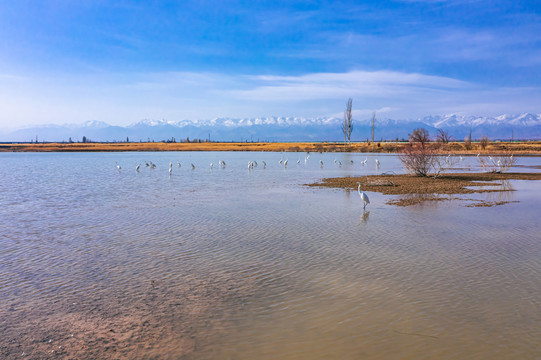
(239, 264)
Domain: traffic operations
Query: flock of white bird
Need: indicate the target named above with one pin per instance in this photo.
(253, 164)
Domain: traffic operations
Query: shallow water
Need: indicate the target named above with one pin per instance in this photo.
(233, 263)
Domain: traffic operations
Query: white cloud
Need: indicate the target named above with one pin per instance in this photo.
(121, 99)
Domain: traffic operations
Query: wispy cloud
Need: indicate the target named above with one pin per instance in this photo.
(125, 98)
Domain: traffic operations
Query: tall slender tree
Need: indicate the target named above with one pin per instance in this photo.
(347, 126)
(373, 125)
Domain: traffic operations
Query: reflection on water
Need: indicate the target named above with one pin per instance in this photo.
(365, 216)
(238, 263)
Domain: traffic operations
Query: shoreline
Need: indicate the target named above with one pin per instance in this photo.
(525, 148)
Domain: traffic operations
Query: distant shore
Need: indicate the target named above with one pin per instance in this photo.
(518, 148)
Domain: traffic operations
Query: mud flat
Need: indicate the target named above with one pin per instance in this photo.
(416, 189)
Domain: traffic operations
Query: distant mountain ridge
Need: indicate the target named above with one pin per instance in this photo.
(503, 127)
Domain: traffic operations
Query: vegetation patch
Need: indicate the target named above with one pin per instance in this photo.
(418, 189)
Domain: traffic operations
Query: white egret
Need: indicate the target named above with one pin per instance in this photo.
(363, 196)
(211, 166)
(170, 168)
(118, 166)
(285, 163)
(377, 163)
(178, 164)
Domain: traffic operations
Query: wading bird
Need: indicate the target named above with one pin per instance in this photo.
(170, 168)
(118, 166)
(193, 166)
(137, 167)
(363, 196)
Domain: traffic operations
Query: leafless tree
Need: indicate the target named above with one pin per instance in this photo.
(498, 164)
(373, 125)
(483, 142)
(347, 126)
(467, 142)
(443, 136)
(420, 136)
(417, 159)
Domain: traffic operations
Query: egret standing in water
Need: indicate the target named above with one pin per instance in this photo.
(118, 166)
(363, 196)
(137, 167)
(170, 168)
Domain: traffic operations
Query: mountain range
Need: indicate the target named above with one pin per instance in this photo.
(503, 127)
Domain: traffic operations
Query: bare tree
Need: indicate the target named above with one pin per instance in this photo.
(497, 164)
(467, 142)
(347, 126)
(417, 159)
(483, 142)
(443, 136)
(373, 125)
(420, 136)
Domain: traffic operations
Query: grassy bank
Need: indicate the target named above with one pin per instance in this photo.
(518, 148)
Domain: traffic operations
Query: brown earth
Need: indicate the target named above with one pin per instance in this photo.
(420, 189)
(517, 148)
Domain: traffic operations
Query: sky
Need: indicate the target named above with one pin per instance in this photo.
(64, 61)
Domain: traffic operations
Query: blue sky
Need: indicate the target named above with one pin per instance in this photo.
(71, 61)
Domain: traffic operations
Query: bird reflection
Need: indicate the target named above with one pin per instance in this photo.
(365, 216)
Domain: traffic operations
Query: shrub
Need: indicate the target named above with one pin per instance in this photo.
(417, 159)
(498, 164)
(420, 136)
(483, 142)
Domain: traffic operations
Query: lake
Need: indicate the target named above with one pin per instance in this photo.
(233, 263)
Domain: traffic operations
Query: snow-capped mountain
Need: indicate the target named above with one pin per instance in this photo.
(523, 126)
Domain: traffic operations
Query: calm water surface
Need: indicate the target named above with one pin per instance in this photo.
(236, 264)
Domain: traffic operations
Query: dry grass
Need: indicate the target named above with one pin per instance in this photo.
(419, 189)
(517, 148)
